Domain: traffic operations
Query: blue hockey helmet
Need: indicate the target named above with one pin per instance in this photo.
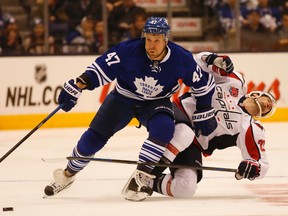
(157, 25)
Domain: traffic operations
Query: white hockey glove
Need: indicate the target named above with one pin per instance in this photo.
(249, 169)
(220, 64)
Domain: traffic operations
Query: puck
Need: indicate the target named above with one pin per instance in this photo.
(8, 209)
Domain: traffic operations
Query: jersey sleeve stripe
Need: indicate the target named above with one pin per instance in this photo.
(198, 92)
(102, 77)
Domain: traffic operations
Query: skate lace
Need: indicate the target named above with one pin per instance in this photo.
(61, 185)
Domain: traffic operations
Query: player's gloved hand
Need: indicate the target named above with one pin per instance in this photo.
(69, 95)
(248, 168)
(204, 121)
(220, 64)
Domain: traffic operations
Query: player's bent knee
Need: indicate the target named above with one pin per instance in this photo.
(184, 184)
(183, 136)
(161, 127)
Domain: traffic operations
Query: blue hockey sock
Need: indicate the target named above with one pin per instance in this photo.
(161, 128)
(150, 152)
(89, 143)
(74, 166)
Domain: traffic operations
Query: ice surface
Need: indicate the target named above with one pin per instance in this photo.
(97, 189)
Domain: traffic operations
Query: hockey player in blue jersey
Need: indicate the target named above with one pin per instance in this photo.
(146, 71)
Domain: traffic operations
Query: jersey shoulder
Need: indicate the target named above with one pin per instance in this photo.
(237, 76)
(179, 50)
(182, 57)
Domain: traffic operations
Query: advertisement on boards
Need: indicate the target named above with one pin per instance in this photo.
(31, 85)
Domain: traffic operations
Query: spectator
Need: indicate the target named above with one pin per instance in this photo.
(121, 19)
(270, 17)
(255, 36)
(137, 26)
(78, 9)
(58, 19)
(2, 37)
(227, 19)
(12, 41)
(80, 41)
(282, 33)
(98, 47)
(12, 45)
(35, 43)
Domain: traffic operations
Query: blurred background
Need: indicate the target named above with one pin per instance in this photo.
(59, 27)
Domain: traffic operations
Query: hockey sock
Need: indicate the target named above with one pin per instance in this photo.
(150, 152)
(74, 166)
(89, 143)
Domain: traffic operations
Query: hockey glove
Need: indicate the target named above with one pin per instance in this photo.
(220, 64)
(69, 95)
(204, 122)
(249, 168)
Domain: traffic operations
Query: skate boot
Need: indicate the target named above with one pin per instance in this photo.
(139, 186)
(61, 182)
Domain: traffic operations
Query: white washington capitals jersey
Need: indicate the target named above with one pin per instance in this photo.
(235, 126)
(139, 78)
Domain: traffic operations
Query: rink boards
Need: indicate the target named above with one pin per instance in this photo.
(30, 87)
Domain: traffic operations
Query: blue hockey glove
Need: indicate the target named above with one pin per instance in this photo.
(220, 64)
(249, 168)
(69, 95)
(204, 121)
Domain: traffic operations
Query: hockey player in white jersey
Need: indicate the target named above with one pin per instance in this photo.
(235, 111)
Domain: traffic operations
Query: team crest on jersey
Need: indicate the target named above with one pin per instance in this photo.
(148, 87)
(233, 91)
(155, 67)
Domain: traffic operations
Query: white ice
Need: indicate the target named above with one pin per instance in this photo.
(97, 189)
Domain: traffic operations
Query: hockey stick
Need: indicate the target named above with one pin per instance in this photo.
(31, 132)
(152, 164)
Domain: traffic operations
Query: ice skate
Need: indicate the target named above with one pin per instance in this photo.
(139, 186)
(60, 182)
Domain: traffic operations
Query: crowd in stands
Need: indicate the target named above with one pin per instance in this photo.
(262, 24)
(76, 26)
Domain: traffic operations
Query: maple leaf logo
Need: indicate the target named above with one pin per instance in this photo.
(147, 87)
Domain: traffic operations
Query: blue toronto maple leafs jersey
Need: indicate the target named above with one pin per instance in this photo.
(140, 78)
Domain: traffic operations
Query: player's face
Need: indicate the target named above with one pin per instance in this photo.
(265, 103)
(155, 45)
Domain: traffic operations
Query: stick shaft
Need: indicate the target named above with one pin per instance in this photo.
(108, 160)
(30, 133)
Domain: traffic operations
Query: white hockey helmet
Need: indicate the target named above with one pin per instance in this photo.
(257, 94)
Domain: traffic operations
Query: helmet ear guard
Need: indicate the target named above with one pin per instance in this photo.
(257, 94)
(156, 25)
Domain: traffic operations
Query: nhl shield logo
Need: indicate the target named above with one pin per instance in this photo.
(233, 91)
(40, 73)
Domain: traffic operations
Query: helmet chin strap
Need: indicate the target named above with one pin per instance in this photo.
(259, 106)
